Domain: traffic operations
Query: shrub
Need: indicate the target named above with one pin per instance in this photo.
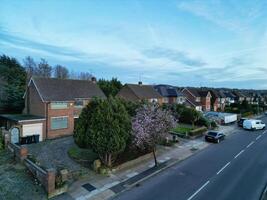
(213, 124)
(247, 114)
(203, 122)
(198, 131)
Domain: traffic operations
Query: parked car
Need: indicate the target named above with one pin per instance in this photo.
(253, 124)
(241, 121)
(214, 136)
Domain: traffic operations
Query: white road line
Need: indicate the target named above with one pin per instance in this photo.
(223, 168)
(191, 197)
(264, 132)
(239, 153)
(250, 144)
(258, 137)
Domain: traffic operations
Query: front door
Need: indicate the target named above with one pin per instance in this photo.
(14, 135)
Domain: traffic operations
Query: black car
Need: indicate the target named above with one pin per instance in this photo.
(241, 121)
(214, 136)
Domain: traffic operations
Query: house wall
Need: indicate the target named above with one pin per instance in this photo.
(69, 112)
(205, 101)
(33, 102)
(172, 99)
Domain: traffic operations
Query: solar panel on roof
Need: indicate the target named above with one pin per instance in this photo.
(172, 92)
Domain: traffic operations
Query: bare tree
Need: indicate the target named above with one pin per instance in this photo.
(61, 72)
(73, 75)
(85, 76)
(44, 69)
(30, 66)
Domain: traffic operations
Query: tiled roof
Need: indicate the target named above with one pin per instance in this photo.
(144, 91)
(52, 89)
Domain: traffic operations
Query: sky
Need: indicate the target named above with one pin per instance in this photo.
(215, 43)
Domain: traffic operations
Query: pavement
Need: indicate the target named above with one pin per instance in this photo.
(236, 168)
(96, 187)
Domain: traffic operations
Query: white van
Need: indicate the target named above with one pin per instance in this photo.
(253, 124)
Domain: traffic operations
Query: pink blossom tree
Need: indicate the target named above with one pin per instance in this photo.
(150, 125)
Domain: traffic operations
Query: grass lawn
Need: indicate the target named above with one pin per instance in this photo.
(16, 182)
(82, 154)
(182, 130)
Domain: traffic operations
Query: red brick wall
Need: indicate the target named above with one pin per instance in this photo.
(33, 102)
(58, 113)
(172, 99)
(205, 101)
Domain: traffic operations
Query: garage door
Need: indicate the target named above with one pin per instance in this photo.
(33, 129)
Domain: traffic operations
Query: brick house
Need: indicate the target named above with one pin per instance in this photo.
(205, 99)
(239, 96)
(193, 98)
(198, 98)
(59, 102)
(140, 92)
(170, 94)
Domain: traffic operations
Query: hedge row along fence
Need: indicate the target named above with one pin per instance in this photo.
(192, 133)
(197, 131)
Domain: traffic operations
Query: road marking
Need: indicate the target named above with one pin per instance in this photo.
(239, 153)
(191, 197)
(223, 168)
(250, 144)
(264, 132)
(258, 137)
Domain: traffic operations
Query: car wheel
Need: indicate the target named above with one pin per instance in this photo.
(218, 140)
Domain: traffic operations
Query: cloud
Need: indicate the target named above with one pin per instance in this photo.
(232, 15)
(10, 39)
(174, 55)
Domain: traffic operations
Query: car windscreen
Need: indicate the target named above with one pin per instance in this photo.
(212, 133)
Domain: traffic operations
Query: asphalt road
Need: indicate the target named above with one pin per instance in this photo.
(234, 169)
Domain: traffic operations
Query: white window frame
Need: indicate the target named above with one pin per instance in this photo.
(58, 103)
(56, 118)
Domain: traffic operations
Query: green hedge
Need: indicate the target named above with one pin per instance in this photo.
(247, 114)
(198, 131)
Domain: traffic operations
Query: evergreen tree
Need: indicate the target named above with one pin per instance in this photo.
(13, 77)
(104, 126)
(110, 88)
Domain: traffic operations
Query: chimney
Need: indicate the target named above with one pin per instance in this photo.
(140, 83)
(93, 79)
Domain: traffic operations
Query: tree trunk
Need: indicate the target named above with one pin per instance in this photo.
(109, 160)
(155, 158)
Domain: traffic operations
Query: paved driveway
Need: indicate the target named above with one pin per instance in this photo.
(54, 153)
